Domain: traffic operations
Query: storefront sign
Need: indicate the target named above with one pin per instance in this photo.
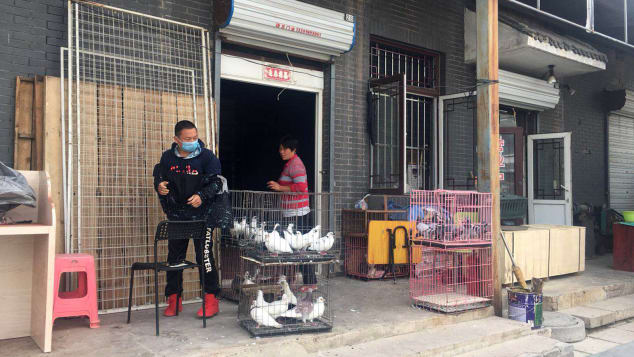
(297, 29)
(501, 150)
(277, 74)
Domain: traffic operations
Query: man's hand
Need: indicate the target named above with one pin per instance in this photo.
(194, 201)
(162, 188)
(274, 186)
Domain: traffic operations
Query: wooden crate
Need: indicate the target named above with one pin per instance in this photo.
(543, 251)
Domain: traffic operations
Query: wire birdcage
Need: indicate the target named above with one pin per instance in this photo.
(285, 298)
(231, 272)
(451, 218)
(284, 226)
(355, 230)
(451, 279)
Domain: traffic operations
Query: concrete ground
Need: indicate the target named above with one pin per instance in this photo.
(614, 340)
(598, 282)
(361, 310)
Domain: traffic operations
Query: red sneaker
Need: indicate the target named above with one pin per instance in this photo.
(211, 306)
(171, 305)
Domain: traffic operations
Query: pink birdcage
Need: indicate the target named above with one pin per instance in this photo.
(451, 279)
(450, 218)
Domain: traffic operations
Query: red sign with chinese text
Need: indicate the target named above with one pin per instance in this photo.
(277, 74)
(297, 29)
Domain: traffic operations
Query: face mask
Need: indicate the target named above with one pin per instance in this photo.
(189, 146)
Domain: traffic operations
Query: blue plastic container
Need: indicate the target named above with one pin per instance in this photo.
(526, 307)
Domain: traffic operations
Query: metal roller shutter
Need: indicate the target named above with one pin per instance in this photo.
(621, 158)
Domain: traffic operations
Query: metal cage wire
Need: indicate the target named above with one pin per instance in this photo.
(277, 299)
(132, 77)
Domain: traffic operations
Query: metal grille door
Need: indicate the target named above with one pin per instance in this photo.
(132, 77)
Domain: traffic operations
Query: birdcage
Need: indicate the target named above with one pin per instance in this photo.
(451, 218)
(231, 273)
(285, 226)
(450, 279)
(355, 229)
(285, 298)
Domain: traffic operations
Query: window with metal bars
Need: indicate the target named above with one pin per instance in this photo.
(404, 80)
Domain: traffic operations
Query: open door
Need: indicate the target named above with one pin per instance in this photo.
(549, 179)
(386, 122)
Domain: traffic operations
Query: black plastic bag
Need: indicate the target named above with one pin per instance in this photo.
(14, 190)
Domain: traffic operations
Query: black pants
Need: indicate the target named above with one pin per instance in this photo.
(177, 250)
(304, 224)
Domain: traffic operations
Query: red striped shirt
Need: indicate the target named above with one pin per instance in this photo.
(294, 176)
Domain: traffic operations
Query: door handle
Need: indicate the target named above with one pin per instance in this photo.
(564, 187)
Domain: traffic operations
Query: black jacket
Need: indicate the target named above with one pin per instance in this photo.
(186, 177)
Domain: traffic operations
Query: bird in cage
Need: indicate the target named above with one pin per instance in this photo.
(276, 244)
(239, 228)
(323, 244)
(261, 316)
(260, 233)
(287, 290)
(308, 312)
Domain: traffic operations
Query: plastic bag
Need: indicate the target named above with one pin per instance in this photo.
(14, 190)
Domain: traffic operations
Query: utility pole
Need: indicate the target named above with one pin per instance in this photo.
(488, 129)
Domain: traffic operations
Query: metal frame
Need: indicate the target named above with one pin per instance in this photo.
(101, 51)
(440, 147)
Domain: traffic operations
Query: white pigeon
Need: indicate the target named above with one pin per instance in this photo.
(260, 233)
(292, 299)
(314, 234)
(323, 244)
(276, 244)
(296, 241)
(259, 300)
(262, 317)
(247, 279)
(278, 307)
(425, 228)
(317, 311)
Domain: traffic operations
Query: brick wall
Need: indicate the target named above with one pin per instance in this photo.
(32, 32)
(584, 116)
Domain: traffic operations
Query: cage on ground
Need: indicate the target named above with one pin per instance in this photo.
(285, 226)
(451, 218)
(231, 272)
(285, 298)
(450, 279)
(358, 258)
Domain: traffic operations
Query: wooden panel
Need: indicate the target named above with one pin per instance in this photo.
(37, 147)
(88, 208)
(16, 262)
(43, 271)
(530, 250)
(23, 123)
(53, 164)
(564, 251)
(133, 199)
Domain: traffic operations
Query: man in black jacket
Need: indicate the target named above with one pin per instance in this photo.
(186, 180)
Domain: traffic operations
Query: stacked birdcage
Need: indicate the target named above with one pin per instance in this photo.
(280, 299)
(285, 226)
(356, 234)
(287, 244)
(451, 261)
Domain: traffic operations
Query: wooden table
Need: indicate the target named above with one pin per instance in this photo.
(27, 258)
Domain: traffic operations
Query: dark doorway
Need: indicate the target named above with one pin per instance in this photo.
(252, 122)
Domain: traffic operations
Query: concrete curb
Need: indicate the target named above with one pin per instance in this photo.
(303, 345)
(586, 296)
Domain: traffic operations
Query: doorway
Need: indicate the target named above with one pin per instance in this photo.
(254, 117)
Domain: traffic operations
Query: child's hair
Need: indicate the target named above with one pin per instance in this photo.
(289, 142)
(183, 124)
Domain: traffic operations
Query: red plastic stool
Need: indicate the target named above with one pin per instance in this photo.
(83, 300)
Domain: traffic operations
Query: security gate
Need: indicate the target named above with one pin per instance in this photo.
(132, 77)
